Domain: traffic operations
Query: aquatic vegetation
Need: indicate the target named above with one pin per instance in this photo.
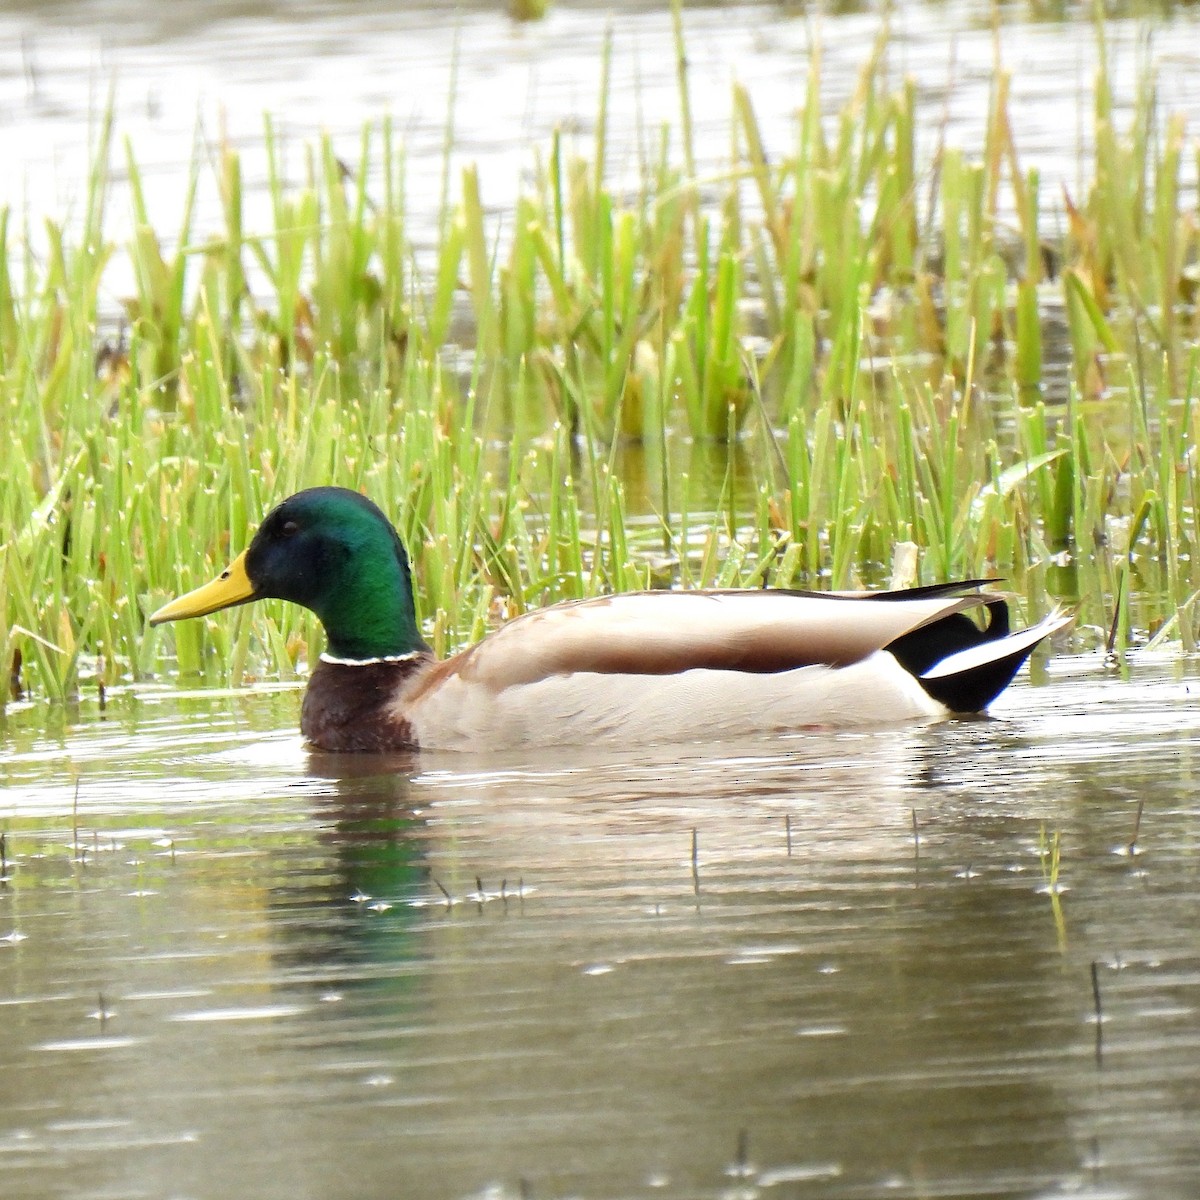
(1050, 858)
(824, 365)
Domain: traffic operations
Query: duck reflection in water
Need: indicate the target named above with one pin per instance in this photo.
(641, 958)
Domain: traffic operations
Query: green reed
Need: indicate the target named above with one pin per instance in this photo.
(817, 365)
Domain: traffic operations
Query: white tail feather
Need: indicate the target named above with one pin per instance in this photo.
(1005, 647)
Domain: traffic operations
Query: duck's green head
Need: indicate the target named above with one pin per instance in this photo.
(335, 553)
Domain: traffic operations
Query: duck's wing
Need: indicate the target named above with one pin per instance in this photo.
(664, 633)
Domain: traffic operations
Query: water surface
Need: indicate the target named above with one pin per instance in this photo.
(185, 76)
(830, 966)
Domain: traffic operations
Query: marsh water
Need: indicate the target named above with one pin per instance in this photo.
(464, 83)
(840, 965)
(947, 960)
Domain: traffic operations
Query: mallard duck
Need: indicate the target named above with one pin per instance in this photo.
(629, 669)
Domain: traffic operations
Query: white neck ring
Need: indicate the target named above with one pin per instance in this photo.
(370, 662)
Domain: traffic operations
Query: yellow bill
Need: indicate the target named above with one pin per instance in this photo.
(231, 587)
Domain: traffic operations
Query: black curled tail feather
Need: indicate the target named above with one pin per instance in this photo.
(922, 648)
(974, 687)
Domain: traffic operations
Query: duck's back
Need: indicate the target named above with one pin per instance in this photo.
(678, 666)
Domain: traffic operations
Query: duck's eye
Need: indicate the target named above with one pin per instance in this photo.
(289, 529)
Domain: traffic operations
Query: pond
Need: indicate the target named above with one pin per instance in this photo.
(466, 77)
(935, 960)
(836, 965)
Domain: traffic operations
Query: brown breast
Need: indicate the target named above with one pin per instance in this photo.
(347, 705)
